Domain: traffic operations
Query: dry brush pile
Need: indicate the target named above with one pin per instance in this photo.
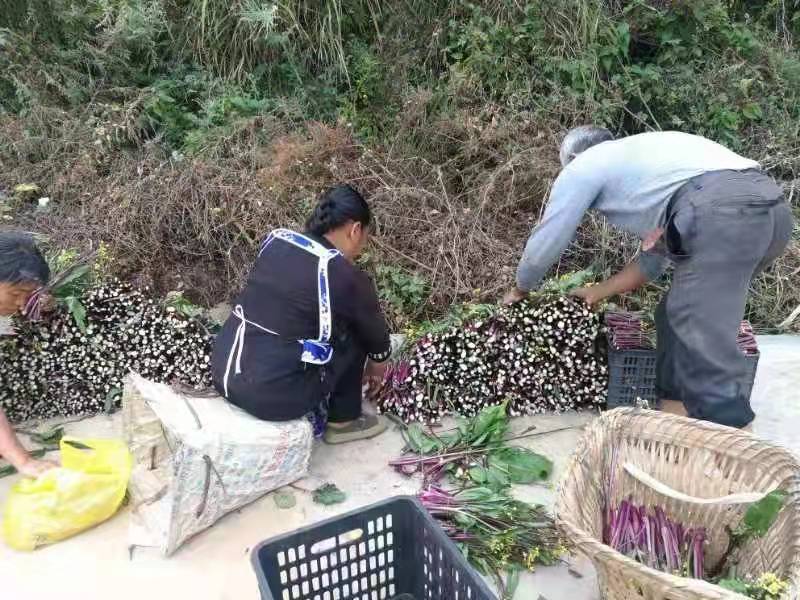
(454, 200)
(459, 223)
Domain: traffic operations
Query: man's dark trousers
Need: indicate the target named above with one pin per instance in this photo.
(723, 229)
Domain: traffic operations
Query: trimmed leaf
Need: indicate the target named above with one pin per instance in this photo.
(177, 301)
(328, 494)
(421, 442)
(462, 424)
(50, 437)
(464, 550)
(734, 585)
(512, 583)
(761, 515)
(74, 275)
(489, 426)
(447, 440)
(574, 573)
(568, 282)
(521, 465)
(476, 494)
(284, 499)
(110, 398)
(78, 312)
(78, 445)
(497, 478)
(464, 520)
(478, 475)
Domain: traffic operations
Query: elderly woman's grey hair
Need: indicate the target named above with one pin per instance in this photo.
(579, 139)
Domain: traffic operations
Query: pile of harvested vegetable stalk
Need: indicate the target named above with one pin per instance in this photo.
(73, 360)
(466, 474)
(539, 354)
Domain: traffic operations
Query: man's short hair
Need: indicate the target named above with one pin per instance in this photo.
(20, 259)
(580, 138)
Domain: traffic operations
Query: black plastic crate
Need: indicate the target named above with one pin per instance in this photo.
(632, 377)
(392, 550)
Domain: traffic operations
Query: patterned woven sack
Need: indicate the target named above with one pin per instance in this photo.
(197, 458)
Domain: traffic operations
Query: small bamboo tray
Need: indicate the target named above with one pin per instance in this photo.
(698, 459)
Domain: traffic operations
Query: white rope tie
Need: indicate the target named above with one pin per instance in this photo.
(237, 347)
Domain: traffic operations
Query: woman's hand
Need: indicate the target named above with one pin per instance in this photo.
(48, 303)
(373, 377)
(33, 467)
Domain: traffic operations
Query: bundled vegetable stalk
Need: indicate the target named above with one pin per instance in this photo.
(539, 354)
(655, 540)
(628, 331)
(498, 534)
(74, 360)
(631, 331)
(747, 339)
(652, 538)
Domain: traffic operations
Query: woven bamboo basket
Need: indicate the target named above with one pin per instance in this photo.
(698, 459)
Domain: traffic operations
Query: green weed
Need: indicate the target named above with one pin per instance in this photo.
(404, 293)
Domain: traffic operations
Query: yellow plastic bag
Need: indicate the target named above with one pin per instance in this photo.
(86, 490)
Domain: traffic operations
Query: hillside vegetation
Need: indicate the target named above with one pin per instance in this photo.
(178, 132)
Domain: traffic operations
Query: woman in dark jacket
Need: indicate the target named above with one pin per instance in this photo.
(23, 272)
(308, 330)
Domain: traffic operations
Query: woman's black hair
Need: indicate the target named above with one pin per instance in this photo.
(336, 207)
(20, 259)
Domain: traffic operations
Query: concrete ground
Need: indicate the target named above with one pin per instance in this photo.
(215, 565)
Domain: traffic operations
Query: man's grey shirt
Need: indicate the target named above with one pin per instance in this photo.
(630, 181)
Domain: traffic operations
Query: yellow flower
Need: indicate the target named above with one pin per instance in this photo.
(772, 584)
(530, 558)
(102, 260)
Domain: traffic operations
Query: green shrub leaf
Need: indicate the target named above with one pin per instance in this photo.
(521, 465)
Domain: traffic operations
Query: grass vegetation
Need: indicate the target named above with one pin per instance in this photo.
(178, 132)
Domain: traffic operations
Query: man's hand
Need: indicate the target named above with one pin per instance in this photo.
(514, 295)
(649, 241)
(630, 278)
(373, 377)
(591, 295)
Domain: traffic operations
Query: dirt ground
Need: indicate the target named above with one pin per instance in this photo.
(98, 564)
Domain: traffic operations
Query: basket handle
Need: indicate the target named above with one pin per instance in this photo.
(662, 488)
